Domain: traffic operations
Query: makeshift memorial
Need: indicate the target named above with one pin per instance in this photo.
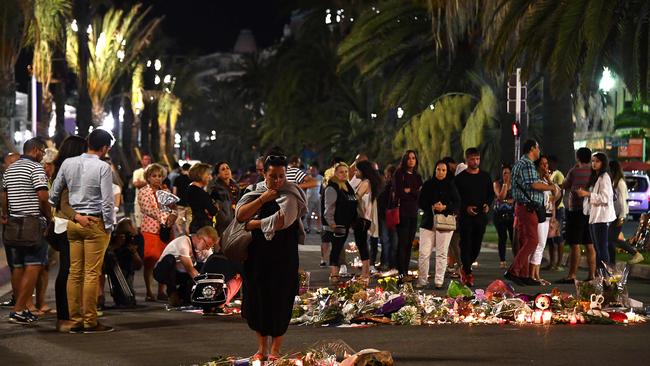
(352, 304)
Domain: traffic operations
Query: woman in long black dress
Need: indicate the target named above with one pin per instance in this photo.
(273, 212)
(198, 199)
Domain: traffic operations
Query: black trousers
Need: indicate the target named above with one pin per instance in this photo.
(472, 229)
(61, 282)
(361, 238)
(338, 242)
(405, 235)
(166, 273)
(504, 229)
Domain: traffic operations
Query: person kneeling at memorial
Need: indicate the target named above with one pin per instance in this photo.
(178, 263)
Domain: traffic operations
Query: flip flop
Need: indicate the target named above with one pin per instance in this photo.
(47, 311)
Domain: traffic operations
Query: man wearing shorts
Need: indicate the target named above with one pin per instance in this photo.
(24, 194)
(577, 223)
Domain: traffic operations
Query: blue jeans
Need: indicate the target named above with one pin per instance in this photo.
(388, 245)
(599, 233)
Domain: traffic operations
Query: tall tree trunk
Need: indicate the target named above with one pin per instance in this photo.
(127, 134)
(84, 107)
(145, 128)
(59, 101)
(154, 132)
(558, 126)
(7, 109)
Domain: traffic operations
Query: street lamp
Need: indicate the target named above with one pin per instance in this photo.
(607, 81)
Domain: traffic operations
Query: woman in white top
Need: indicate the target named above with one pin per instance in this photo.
(543, 228)
(599, 206)
(367, 192)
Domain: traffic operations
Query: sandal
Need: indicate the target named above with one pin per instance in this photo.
(272, 358)
(258, 356)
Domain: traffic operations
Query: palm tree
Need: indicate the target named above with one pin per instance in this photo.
(115, 41)
(47, 36)
(14, 26)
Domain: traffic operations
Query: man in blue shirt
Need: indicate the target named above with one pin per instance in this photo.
(89, 182)
(527, 191)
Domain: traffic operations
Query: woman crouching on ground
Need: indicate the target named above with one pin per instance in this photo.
(273, 213)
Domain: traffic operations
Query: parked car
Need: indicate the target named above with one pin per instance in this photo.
(638, 186)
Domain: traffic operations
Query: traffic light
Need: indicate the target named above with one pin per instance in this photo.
(515, 129)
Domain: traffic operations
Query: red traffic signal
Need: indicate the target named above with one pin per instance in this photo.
(515, 129)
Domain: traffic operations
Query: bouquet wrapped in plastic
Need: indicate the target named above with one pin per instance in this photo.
(615, 284)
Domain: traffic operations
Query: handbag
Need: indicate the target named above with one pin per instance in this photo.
(22, 231)
(533, 206)
(443, 222)
(392, 214)
(235, 241)
(165, 233)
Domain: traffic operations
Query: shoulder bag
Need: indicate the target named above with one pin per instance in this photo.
(235, 240)
(22, 231)
(392, 214)
(533, 206)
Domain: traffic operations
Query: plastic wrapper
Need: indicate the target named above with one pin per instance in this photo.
(507, 308)
(584, 289)
(305, 278)
(166, 199)
(615, 284)
(499, 289)
(393, 304)
(455, 289)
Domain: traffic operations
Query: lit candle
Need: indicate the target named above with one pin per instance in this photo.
(537, 317)
(546, 316)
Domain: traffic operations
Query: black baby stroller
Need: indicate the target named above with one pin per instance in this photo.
(209, 292)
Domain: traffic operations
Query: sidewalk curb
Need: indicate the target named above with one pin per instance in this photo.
(636, 270)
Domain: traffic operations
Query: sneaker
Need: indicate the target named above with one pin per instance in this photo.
(21, 318)
(637, 258)
(373, 270)
(323, 264)
(99, 328)
(9, 303)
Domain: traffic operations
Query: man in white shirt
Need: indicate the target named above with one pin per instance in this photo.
(176, 267)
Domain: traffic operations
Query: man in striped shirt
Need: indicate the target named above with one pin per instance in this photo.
(295, 175)
(24, 194)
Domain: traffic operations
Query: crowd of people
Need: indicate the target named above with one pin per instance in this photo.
(75, 196)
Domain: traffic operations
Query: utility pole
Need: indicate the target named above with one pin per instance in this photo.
(516, 104)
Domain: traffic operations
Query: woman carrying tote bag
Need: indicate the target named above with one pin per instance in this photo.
(439, 200)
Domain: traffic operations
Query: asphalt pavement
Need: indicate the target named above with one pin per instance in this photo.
(150, 335)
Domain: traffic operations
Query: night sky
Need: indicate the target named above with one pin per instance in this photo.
(204, 26)
(198, 27)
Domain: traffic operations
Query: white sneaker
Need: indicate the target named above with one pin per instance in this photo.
(373, 270)
(343, 270)
(637, 258)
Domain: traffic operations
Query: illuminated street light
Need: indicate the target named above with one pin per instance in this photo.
(74, 25)
(156, 80)
(157, 65)
(607, 81)
(167, 79)
(197, 136)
